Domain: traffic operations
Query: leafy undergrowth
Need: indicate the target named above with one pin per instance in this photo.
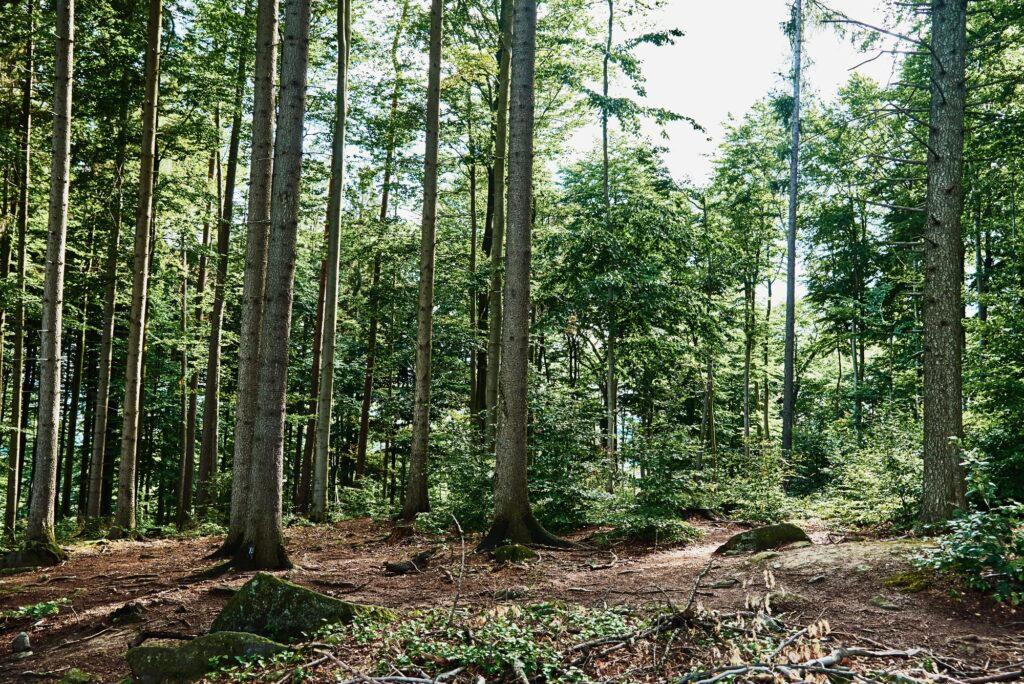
(558, 642)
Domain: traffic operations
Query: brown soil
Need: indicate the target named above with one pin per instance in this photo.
(346, 560)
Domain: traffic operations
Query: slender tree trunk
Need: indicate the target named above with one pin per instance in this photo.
(318, 509)
(44, 481)
(789, 369)
(102, 408)
(263, 543)
(371, 352)
(943, 486)
(15, 448)
(124, 522)
(498, 205)
(188, 463)
(513, 517)
(305, 489)
(256, 246)
(416, 498)
(72, 421)
(211, 402)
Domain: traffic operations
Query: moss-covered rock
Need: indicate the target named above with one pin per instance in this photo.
(910, 582)
(787, 600)
(884, 603)
(194, 659)
(764, 538)
(76, 676)
(514, 553)
(762, 557)
(276, 608)
(34, 554)
(7, 572)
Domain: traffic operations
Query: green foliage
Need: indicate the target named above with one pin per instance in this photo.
(491, 640)
(37, 610)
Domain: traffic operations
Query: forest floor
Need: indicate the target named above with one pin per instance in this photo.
(837, 580)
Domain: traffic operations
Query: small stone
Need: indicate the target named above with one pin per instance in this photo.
(815, 580)
(799, 545)
(786, 600)
(733, 553)
(128, 613)
(514, 553)
(883, 603)
(762, 557)
(512, 593)
(726, 583)
(21, 643)
(862, 569)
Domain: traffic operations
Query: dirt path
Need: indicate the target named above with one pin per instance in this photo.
(834, 581)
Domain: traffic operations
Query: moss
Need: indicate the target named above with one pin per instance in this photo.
(273, 607)
(910, 582)
(787, 600)
(193, 659)
(34, 554)
(764, 538)
(7, 572)
(514, 553)
(762, 557)
(76, 676)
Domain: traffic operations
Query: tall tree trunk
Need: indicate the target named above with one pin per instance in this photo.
(497, 201)
(943, 486)
(211, 402)
(101, 414)
(371, 342)
(513, 517)
(256, 245)
(305, 486)
(789, 363)
(318, 509)
(44, 481)
(263, 543)
(416, 498)
(187, 472)
(124, 522)
(14, 449)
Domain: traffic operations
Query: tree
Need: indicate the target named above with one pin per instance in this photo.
(40, 533)
(416, 497)
(124, 522)
(14, 449)
(943, 487)
(789, 390)
(318, 510)
(513, 516)
(254, 285)
(263, 543)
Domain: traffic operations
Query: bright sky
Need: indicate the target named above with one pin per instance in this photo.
(734, 52)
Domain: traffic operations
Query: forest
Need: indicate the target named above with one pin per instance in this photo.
(382, 341)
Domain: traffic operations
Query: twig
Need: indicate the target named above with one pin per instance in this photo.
(91, 636)
(696, 586)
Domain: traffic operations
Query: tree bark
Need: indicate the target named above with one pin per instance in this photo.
(943, 487)
(263, 543)
(211, 402)
(15, 453)
(72, 421)
(513, 517)
(44, 481)
(256, 246)
(124, 522)
(318, 509)
(416, 497)
(789, 363)
(304, 495)
(498, 227)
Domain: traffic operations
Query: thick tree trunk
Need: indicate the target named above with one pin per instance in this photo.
(497, 201)
(211, 402)
(318, 509)
(263, 543)
(15, 447)
(256, 246)
(124, 522)
(416, 498)
(943, 486)
(789, 362)
(513, 517)
(44, 481)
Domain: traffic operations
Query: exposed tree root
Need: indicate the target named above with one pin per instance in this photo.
(522, 529)
(38, 554)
